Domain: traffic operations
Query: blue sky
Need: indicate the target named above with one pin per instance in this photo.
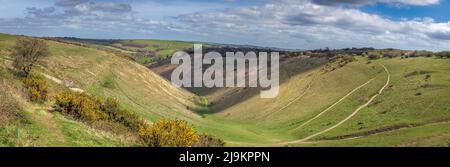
(299, 24)
(439, 12)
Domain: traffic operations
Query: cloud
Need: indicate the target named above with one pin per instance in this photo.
(82, 16)
(310, 25)
(305, 24)
(78, 7)
(439, 31)
(111, 7)
(70, 3)
(44, 12)
(440, 35)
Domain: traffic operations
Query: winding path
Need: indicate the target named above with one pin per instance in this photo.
(340, 100)
(351, 115)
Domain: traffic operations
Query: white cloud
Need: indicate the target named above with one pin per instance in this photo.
(285, 23)
(307, 23)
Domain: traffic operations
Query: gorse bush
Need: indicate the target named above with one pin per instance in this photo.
(114, 113)
(90, 109)
(36, 88)
(168, 133)
(80, 106)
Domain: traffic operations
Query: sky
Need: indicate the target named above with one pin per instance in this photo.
(293, 24)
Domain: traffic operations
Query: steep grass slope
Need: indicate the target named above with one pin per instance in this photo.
(97, 73)
(137, 88)
(27, 124)
(417, 97)
(103, 74)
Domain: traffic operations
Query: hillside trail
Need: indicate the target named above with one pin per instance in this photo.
(351, 115)
(45, 118)
(52, 78)
(60, 82)
(336, 103)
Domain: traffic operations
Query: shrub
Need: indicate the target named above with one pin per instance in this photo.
(168, 133)
(373, 56)
(389, 55)
(145, 60)
(421, 53)
(205, 140)
(36, 88)
(88, 108)
(342, 60)
(111, 108)
(80, 106)
(443, 54)
(27, 52)
(418, 72)
(203, 105)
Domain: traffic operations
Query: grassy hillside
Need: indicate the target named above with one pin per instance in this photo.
(27, 124)
(145, 52)
(315, 95)
(416, 97)
(138, 89)
(100, 74)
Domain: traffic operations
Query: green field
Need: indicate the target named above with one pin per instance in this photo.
(413, 110)
(162, 48)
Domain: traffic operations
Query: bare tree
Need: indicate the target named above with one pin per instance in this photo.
(27, 52)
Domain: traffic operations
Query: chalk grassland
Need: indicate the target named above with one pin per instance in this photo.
(414, 109)
(417, 97)
(137, 88)
(26, 124)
